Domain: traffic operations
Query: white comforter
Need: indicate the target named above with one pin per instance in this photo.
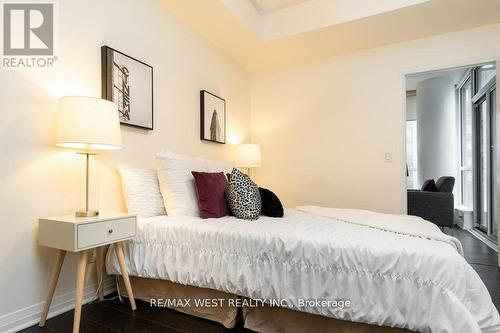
(390, 278)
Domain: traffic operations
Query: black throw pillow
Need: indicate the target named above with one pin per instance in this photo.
(429, 185)
(271, 204)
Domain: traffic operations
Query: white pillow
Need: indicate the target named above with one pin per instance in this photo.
(177, 183)
(142, 191)
(163, 153)
(220, 166)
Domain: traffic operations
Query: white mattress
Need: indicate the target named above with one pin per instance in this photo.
(390, 279)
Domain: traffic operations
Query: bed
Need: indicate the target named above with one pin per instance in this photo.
(397, 279)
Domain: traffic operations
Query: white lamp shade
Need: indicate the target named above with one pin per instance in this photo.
(247, 156)
(88, 123)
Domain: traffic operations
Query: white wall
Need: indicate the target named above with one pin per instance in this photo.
(325, 126)
(38, 179)
(436, 129)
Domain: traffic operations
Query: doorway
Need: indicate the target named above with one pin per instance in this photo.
(451, 133)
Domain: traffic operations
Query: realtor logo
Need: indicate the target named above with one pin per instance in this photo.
(28, 29)
(28, 35)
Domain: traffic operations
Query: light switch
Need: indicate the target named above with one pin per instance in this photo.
(388, 157)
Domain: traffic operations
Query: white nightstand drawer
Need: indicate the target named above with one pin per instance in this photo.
(94, 234)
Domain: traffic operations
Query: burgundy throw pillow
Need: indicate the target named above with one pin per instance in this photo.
(210, 188)
(429, 185)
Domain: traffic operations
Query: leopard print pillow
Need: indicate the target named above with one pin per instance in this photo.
(243, 196)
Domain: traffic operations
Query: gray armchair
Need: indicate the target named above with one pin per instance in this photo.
(436, 207)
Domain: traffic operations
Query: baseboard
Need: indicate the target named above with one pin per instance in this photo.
(29, 316)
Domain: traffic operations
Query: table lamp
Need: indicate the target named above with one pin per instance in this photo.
(247, 156)
(88, 124)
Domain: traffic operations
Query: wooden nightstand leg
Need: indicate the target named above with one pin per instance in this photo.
(80, 282)
(52, 286)
(100, 277)
(123, 268)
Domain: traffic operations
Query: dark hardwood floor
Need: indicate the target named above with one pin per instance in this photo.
(113, 316)
(483, 259)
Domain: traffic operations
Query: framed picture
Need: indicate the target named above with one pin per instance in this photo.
(213, 117)
(129, 83)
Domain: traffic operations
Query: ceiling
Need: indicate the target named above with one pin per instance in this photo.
(307, 30)
(267, 6)
(455, 75)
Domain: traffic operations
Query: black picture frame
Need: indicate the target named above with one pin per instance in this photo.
(206, 133)
(107, 89)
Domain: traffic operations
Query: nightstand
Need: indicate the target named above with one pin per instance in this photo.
(80, 234)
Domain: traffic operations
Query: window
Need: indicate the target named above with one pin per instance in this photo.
(483, 75)
(493, 99)
(411, 154)
(477, 101)
(467, 144)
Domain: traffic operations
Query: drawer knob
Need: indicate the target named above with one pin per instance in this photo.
(110, 231)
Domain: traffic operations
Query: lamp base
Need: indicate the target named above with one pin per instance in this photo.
(89, 213)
